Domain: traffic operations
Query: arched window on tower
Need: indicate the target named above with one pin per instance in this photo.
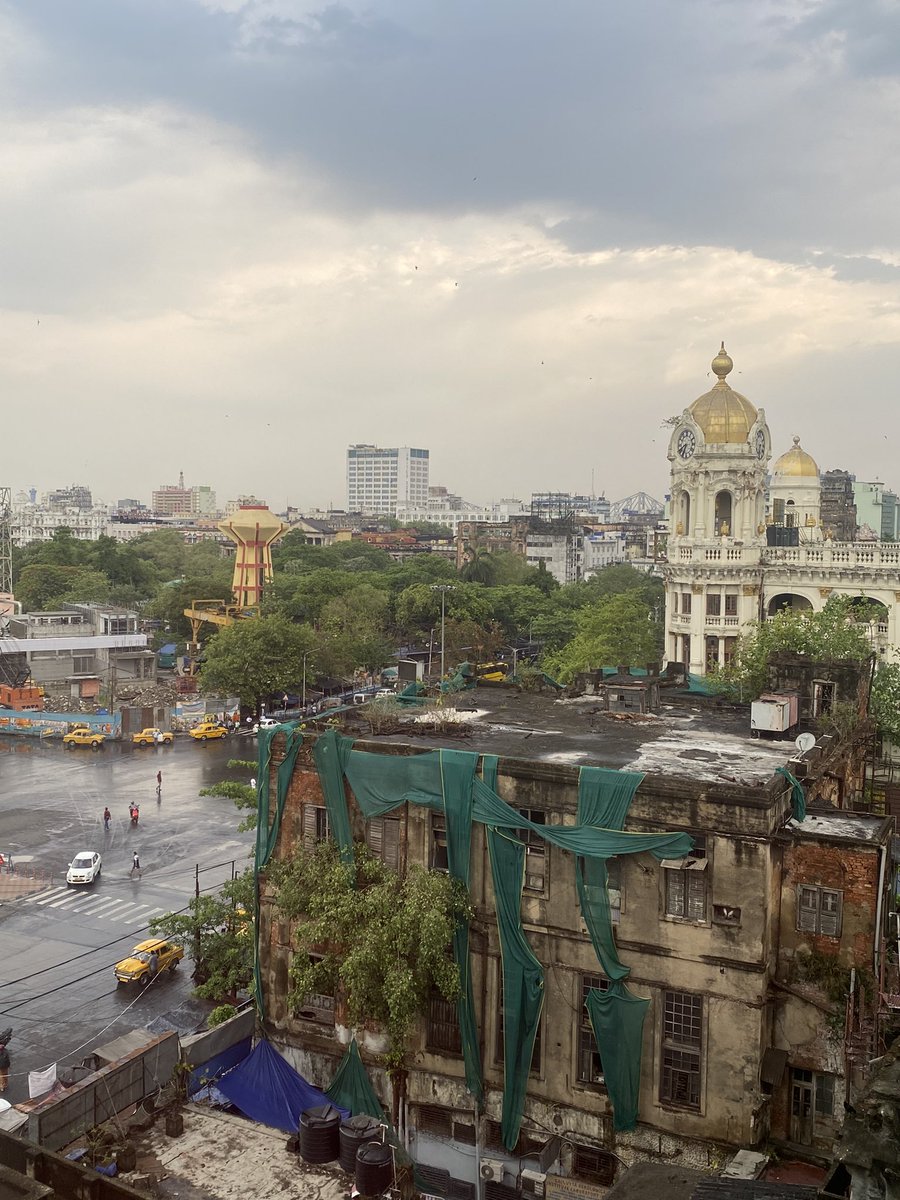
(684, 513)
(790, 516)
(723, 520)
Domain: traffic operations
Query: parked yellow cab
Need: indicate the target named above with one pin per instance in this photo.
(152, 737)
(136, 967)
(83, 737)
(208, 729)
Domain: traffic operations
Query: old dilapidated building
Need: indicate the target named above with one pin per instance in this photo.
(743, 947)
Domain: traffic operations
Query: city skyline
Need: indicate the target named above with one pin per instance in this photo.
(292, 227)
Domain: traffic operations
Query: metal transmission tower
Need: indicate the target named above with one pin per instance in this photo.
(5, 540)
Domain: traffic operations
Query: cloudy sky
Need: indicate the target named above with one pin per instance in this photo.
(237, 235)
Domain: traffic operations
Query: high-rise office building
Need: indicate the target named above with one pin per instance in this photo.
(380, 479)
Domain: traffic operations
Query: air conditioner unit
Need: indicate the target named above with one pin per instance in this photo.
(492, 1169)
(533, 1182)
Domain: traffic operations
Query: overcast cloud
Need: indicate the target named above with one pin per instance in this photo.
(237, 235)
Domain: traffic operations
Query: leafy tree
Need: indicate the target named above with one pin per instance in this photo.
(616, 631)
(384, 939)
(479, 566)
(839, 630)
(217, 929)
(886, 699)
(243, 795)
(45, 586)
(256, 657)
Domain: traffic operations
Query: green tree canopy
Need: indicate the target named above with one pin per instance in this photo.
(254, 658)
(839, 630)
(617, 631)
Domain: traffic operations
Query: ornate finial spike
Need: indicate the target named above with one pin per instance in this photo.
(796, 440)
(722, 364)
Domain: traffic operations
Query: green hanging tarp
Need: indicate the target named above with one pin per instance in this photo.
(798, 796)
(523, 980)
(457, 776)
(617, 1018)
(330, 755)
(266, 830)
(351, 1088)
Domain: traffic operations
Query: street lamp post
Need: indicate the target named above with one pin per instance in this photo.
(303, 697)
(443, 588)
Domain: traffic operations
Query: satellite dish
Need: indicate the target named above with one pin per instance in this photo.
(805, 741)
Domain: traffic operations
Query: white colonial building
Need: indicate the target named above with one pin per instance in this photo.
(733, 557)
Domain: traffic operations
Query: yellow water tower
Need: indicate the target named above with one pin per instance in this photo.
(254, 530)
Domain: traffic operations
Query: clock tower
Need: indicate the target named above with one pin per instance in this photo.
(719, 450)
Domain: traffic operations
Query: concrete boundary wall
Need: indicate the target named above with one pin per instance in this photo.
(55, 725)
(199, 1048)
(58, 1120)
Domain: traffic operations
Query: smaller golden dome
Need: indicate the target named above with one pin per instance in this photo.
(796, 463)
(724, 415)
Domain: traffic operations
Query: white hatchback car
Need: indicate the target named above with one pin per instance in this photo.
(84, 867)
(265, 723)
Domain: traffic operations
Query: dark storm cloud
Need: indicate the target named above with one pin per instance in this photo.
(723, 123)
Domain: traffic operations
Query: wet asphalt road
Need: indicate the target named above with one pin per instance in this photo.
(58, 947)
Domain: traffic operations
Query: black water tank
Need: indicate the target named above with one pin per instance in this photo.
(320, 1136)
(374, 1169)
(355, 1132)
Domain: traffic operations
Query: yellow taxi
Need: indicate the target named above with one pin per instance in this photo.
(153, 737)
(208, 729)
(136, 967)
(82, 736)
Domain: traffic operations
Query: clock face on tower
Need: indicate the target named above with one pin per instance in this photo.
(760, 444)
(687, 444)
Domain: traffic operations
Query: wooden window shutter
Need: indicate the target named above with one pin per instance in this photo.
(808, 909)
(391, 842)
(375, 836)
(829, 912)
(309, 826)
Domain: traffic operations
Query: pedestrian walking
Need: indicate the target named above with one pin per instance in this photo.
(135, 865)
(154, 964)
(159, 783)
(107, 817)
(4, 1068)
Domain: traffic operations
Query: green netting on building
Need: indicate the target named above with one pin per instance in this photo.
(351, 1088)
(268, 822)
(798, 796)
(617, 1018)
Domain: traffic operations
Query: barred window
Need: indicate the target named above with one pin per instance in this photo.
(439, 860)
(535, 1067)
(590, 1065)
(686, 884)
(819, 910)
(318, 1006)
(535, 850)
(682, 1037)
(596, 1165)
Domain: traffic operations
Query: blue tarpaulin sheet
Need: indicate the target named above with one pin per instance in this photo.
(217, 1066)
(267, 1089)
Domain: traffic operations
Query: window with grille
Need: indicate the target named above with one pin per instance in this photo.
(383, 839)
(535, 850)
(83, 664)
(442, 1025)
(431, 1118)
(686, 884)
(682, 1041)
(535, 1067)
(596, 1165)
(316, 826)
(819, 910)
(438, 859)
(590, 1066)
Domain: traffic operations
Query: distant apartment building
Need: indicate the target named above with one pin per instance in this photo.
(232, 506)
(465, 514)
(170, 500)
(838, 505)
(603, 548)
(553, 504)
(380, 480)
(76, 496)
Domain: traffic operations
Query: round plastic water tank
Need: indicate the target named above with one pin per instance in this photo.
(320, 1134)
(374, 1169)
(355, 1132)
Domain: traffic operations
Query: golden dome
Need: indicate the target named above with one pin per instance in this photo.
(796, 462)
(723, 414)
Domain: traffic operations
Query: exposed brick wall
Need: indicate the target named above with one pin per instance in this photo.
(851, 870)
